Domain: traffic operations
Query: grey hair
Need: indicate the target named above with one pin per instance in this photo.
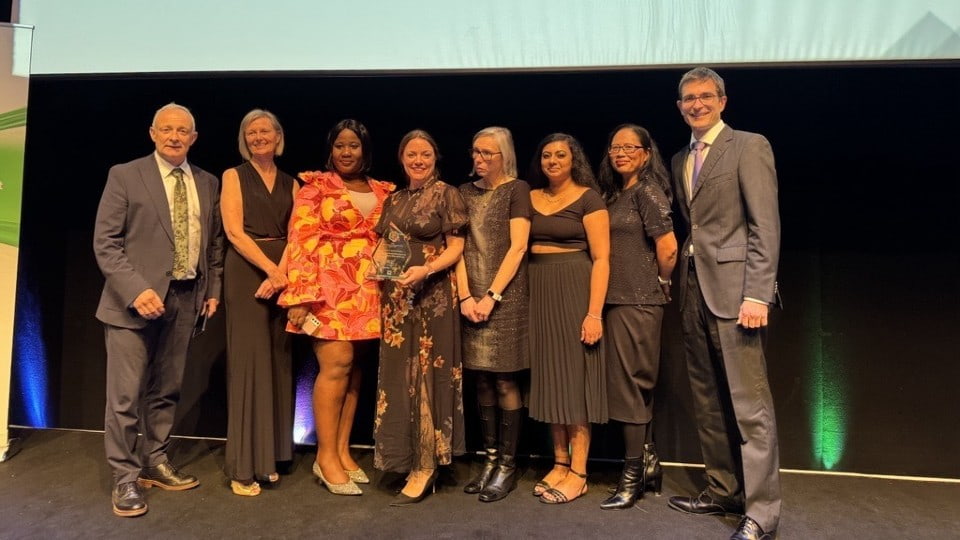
(702, 74)
(248, 119)
(170, 106)
(504, 140)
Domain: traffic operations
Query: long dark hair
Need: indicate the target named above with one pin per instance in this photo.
(580, 172)
(366, 147)
(611, 182)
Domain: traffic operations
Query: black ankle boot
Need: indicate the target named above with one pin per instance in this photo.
(488, 426)
(504, 478)
(630, 487)
(652, 472)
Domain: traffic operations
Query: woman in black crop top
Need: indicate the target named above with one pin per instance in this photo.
(644, 250)
(568, 271)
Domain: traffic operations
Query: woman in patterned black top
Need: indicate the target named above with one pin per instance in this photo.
(643, 250)
(492, 281)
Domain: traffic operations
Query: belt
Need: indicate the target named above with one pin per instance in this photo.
(183, 283)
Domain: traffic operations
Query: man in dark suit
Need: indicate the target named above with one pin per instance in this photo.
(158, 241)
(727, 190)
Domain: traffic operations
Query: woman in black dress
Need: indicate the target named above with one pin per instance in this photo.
(492, 281)
(569, 267)
(643, 251)
(255, 203)
(419, 416)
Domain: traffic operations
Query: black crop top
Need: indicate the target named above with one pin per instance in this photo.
(564, 228)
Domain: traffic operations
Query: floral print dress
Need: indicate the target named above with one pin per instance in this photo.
(330, 243)
(419, 417)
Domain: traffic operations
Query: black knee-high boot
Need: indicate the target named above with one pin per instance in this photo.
(488, 427)
(504, 478)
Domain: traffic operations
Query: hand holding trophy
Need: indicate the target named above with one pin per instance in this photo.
(391, 255)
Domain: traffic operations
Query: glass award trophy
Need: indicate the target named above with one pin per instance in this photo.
(392, 254)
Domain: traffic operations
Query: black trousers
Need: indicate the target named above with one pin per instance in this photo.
(734, 408)
(144, 375)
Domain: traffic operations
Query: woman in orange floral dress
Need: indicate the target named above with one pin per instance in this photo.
(419, 420)
(331, 239)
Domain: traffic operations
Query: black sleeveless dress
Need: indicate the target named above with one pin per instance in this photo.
(259, 375)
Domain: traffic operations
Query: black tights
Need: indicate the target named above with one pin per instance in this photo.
(498, 389)
(634, 437)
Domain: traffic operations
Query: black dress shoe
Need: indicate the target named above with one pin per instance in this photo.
(704, 504)
(750, 530)
(128, 500)
(166, 476)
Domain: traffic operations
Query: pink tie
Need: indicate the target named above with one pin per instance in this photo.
(697, 148)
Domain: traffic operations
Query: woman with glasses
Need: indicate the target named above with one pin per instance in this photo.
(643, 250)
(331, 243)
(568, 267)
(256, 201)
(419, 417)
(492, 283)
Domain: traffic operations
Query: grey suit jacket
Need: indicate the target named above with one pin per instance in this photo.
(734, 221)
(133, 239)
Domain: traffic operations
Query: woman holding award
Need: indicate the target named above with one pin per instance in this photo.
(492, 282)
(331, 239)
(419, 416)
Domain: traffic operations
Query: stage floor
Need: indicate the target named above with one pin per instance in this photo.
(58, 486)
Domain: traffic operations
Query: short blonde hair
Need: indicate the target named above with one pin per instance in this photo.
(248, 119)
(504, 140)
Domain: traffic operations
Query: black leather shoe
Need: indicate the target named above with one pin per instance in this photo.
(166, 476)
(750, 530)
(704, 504)
(128, 500)
(629, 488)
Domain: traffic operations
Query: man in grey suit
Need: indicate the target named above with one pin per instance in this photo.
(159, 243)
(727, 186)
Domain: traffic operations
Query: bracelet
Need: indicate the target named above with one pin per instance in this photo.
(465, 298)
(662, 281)
(429, 268)
(592, 316)
(496, 297)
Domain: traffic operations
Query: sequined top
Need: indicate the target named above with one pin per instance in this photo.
(499, 344)
(637, 217)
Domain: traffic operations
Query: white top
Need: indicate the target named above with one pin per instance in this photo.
(365, 202)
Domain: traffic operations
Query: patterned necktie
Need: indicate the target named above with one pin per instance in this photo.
(181, 228)
(697, 148)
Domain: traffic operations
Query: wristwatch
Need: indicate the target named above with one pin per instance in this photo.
(496, 297)
(662, 281)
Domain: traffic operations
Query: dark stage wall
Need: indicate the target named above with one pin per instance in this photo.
(863, 361)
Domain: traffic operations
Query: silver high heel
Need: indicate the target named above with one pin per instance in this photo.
(358, 476)
(346, 488)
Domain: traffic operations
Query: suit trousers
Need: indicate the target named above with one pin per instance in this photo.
(144, 375)
(734, 408)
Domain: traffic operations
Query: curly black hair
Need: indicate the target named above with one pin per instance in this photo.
(581, 174)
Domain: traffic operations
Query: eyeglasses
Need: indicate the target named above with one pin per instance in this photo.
(485, 155)
(706, 99)
(628, 149)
